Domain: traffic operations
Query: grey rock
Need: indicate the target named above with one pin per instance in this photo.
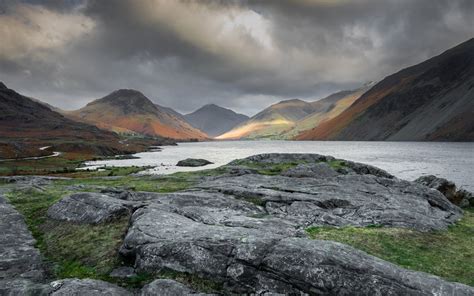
(358, 200)
(193, 162)
(19, 259)
(315, 170)
(16, 287)
(89, 208)
(165, 287)
(123, 272)
(78, 287)
(462, 198)
(256, 260)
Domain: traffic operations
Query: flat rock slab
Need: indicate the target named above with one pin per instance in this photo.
(19, 259)
(89, 208)
(255, 260)
(358, 200)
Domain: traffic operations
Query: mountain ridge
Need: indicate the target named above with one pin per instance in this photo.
(130, 111)
(429, 101)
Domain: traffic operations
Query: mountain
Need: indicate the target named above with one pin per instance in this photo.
(129, 111)
(325, 109)
(26, 125)
(272, 121)
(215, 120)
(431, 101)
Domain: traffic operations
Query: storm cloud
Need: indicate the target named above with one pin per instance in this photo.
(239, 54)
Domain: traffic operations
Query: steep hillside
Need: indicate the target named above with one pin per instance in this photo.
(272, 121)
(325, 109)
(431, 101)
(215, 120)
(26, 125)
(129, 111)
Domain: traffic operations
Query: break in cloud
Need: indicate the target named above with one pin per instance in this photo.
(240, 54)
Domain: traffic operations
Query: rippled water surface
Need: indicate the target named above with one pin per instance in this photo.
(407, 160)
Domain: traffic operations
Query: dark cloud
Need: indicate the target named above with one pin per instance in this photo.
(240, 54)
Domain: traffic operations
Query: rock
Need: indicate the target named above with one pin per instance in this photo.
(256, 260)
(193, 162)
(86, 287)
(123, 272)
(89, 208)
(460, 197)
(466, 198)
(358, 200)
(16, 287)
(19, 259)
(165, 287)
(315, 170)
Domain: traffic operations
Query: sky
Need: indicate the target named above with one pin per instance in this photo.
(243, 55)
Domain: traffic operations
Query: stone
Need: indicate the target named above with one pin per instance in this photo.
(462, 198)
(19, 259)
(165, 287)
(89, 208)
(193, 162)
(123, 272)
(87, 287)
(257, 260)
(315, 170)
(358, 200)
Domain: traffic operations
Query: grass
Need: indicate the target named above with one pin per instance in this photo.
(91, 251)
(449, 254)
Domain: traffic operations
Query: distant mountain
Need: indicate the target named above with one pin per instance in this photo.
(129, 111)
(431, 101)
(214, 120)
(26, 125)
(272, 121)
(325, 109)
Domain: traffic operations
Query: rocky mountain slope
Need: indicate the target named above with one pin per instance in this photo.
(287, 119)
(129, 111)
(325, 109)
(243, 229)
(215, 120)
(431, 101)
(272, 121)
(26, 125)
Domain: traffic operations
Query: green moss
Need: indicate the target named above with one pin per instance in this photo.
(337, 164)
(448, 254)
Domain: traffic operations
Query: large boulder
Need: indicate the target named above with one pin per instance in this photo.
(462, 198)
(193, 162)
(90, 208)
(252, 258)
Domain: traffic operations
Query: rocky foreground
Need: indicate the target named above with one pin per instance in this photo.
(245, 228)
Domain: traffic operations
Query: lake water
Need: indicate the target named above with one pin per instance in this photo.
(407, 160)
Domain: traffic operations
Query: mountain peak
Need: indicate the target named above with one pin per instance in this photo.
(3, 86)
(128, 100)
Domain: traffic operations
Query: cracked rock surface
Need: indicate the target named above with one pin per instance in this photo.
(247, 230)
(89, 208)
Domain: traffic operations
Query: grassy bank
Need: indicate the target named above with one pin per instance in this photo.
(448, 254)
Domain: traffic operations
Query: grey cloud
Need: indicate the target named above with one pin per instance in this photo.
(239, 54)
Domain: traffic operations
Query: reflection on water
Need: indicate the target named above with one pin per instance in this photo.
(407, 160)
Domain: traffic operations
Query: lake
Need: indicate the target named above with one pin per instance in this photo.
(406, 160)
